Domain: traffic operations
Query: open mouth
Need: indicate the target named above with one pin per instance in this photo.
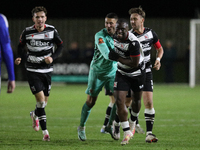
(133, 25)
(109, 30)
(119, 34)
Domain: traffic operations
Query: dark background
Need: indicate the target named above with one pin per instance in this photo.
(99, 8)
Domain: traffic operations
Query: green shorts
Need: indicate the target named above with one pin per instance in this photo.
(97, 80)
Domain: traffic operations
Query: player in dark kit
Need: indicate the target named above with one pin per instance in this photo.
(40, 40)
(147, 38)
(130, 75)
(6, 53)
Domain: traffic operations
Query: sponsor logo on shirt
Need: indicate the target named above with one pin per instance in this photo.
(145, 45)
(38, 43)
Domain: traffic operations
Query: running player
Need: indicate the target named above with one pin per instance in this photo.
(6, 53)
(147, 38)
(40, 40)
(102, 70)
(130, 75)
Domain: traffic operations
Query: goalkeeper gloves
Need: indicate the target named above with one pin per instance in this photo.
(113, 55)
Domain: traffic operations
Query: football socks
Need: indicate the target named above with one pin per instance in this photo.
(84, 114)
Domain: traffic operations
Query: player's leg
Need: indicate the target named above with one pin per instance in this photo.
(137, 85)
(109, 87)
(135, 109)
(138, 128)
(116, 122)
(33, 81)
(122, 112)
(108, 110)
(116, 127)
(149, 112)
(121, 87)
(85, 112)
(40, 85)
(40, 112)
(92, 91)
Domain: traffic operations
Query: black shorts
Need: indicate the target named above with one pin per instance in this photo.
(128, 94)
(148, 84)
(39, 82)
(124, 83)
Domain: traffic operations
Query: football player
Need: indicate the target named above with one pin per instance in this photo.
(40, 40)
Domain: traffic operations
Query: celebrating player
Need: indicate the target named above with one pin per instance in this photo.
(147, 38)
(130, 75)
(6, 53)
(40, 39)
(102, 70)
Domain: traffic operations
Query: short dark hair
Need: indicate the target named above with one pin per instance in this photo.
(122, 20)
(112, 15)
(138, 11)
(38, 9)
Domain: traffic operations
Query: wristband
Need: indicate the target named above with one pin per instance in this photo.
(158, 58)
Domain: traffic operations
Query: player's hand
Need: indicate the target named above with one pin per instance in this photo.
(48, 60)
(18, 61)
(11, 86)
(113, 55)
(157, 65)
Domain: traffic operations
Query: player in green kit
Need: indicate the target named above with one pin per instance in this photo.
(102, 70)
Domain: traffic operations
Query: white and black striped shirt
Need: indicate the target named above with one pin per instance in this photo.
(40, 45)
(131, 47)
(147, 39)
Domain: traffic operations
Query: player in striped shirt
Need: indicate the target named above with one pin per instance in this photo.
(147, 38)
(130, 75)
(40, 40)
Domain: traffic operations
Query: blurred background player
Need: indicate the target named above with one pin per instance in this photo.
(6, 53)
(39, 39)
(102, 70)
(147, 38)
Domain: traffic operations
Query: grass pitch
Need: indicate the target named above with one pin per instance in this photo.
(176, 125)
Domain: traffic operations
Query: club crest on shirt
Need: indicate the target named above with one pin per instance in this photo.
(91, 91)
(33, 88)
(101, 41)
(146, 36)
(115, 84)
(46, 35)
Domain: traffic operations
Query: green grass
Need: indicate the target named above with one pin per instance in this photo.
(177, 121)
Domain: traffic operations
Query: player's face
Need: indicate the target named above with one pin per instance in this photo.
(110, 24)
(136, 21)
(121, 31)
(39, 19)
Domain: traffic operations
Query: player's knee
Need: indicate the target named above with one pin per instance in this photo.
(41, 104)
(91, 101)
(148, 105)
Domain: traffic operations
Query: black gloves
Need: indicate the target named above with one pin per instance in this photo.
(113, 55)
